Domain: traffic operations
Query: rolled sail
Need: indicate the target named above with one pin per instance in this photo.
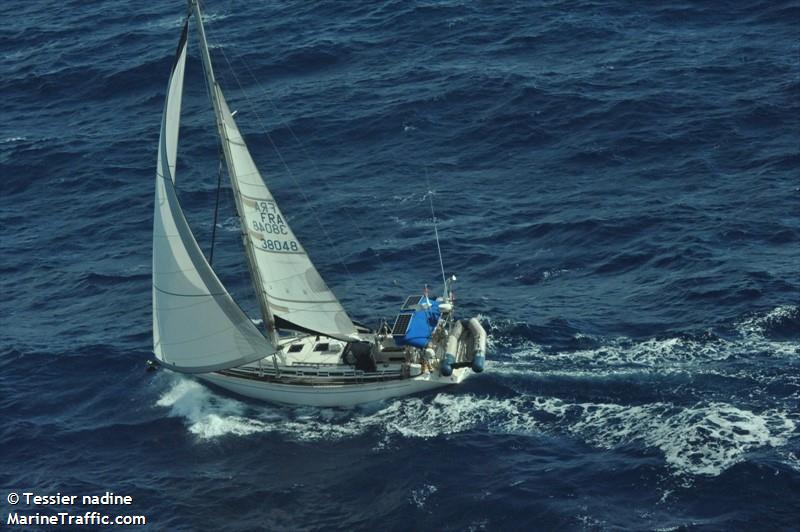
(197, 326)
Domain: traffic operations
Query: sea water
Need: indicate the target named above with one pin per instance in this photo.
(616, 188)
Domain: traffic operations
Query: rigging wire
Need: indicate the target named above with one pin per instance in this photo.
(436, 232)
(216, 214)
(220, 157)
(286, 166)
(285, 124)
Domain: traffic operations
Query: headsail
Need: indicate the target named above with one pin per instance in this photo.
(292, 291)
(197, 326)
(295, 291)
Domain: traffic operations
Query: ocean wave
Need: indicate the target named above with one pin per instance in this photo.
(780, 321)
(703, 439)
(620, 207)
(522, 342)
(209, 416)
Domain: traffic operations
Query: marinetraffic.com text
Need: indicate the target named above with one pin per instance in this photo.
(28, 508)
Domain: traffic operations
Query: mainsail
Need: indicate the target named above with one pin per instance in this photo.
(292, 293)
(197, 326)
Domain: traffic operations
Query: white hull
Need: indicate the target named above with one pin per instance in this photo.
(332, 395)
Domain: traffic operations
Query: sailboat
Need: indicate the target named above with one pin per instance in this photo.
(308, 351)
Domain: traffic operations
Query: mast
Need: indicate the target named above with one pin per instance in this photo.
(185, 289)
(255, 277)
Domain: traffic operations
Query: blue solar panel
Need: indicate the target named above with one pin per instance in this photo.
(401, 324)
(411, 303)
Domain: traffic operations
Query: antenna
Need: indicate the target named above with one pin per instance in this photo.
(436, 232)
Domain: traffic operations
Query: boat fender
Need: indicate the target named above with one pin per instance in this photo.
(446, 368)
(479, 336)
(451, 349)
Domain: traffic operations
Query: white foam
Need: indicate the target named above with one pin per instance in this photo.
(414, 418)
(402, 199)
(532, 369)
(208, 416)
(478, 524)
(650, 352)
(705, 439)
(544, 275)
(420, 495)
(660, 354)
(589, 522)
(755, 326)
(210, 17)
(454, 413)
(700, 440)
(793, 461)
(754, 333)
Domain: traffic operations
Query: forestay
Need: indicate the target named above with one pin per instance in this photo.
(197, 327)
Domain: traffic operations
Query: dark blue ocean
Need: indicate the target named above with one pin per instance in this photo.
(617, 188)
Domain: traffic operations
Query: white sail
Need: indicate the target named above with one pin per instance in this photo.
(197, 326)
(292, 285)
(291, 291)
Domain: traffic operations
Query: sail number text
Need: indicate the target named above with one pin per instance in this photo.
(270, 222)
(277, 245)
